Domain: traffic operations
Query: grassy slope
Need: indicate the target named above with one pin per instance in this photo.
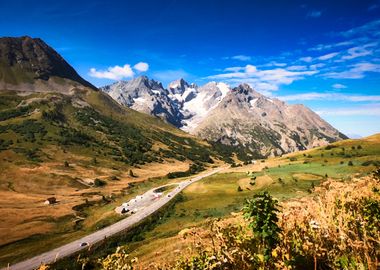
(217, 196)
(102, 141)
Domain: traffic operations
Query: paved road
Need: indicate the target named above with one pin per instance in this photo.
(75, 246)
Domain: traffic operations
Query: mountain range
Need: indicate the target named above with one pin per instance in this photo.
(234, 120)
(239, 118)
(42, 95)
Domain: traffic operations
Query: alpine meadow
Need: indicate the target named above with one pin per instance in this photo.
(190, 135)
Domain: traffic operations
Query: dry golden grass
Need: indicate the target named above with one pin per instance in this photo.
(315, 226)
(25, 187)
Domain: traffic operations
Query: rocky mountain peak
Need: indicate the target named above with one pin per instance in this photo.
(179, 86)
(25, 59)
(238, 117)
(246, 89)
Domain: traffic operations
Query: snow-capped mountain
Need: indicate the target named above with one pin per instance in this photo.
(238, 117)
(183, 105)
(145, 95)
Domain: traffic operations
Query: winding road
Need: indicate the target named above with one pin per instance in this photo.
(75, 246)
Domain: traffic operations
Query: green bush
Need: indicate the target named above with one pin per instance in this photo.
(262, 211)
(99, 183)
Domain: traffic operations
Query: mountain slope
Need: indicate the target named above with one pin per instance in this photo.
(238, 120)
(77, 144)
(147, 96)
(29, 64)
(264, 126)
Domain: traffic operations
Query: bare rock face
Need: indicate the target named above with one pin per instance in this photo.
(147, 96)
(240, 118)
(265, 126)
(29, 64)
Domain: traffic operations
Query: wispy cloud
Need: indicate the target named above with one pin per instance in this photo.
(270, 79)
(359, 51)
(307, 59)
(314, 14)
(367, 110)
(274, 64)
(373, 7)
(331, 97)
(338, 86)
(371, 28)
(317, 66)
(297, 68)
(234, 69)
(241, 57)
(356, 71)
(328, 56)
(322, 47)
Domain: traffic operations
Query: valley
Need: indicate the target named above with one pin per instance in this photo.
(72, 155)
(288, 178)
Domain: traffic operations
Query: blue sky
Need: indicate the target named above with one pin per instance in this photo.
(324, 54)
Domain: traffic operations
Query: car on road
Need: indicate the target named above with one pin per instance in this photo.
(83, 244)
(169, 195)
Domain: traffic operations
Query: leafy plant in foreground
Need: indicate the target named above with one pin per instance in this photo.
(262, 211)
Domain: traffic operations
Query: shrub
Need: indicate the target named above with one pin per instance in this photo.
(350, 163)
(99, 183)
(239, 189)
(261, 212)
(328, 147)
(119, 260)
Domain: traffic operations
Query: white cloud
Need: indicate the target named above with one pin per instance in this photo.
(141, 66)
(322, 47)
(113, 73)
(368, 110)
(359, 51)
(241, 57)
(234, 69)
(371, 28)
(296, 68)
(330, 96)
(339, 86)
(314, 14)
(316, 66)
(274, 64)
(250, 69)
(356, 71)
(306, 59)
(328, 56)
(268, 79)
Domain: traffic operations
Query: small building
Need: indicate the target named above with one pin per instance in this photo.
(51, 200)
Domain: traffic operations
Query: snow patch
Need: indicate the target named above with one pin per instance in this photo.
(253, 101)
(224, 88)
(139, 100)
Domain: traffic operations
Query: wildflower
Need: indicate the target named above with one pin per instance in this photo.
(314, 225)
